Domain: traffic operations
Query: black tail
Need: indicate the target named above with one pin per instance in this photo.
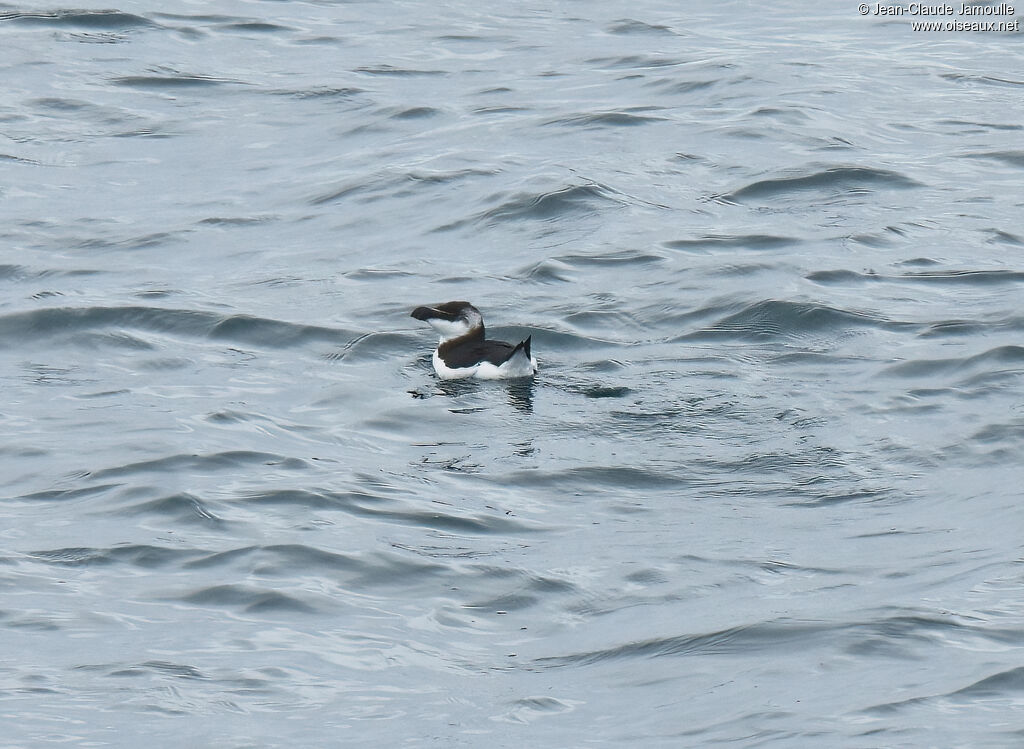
(523, 346)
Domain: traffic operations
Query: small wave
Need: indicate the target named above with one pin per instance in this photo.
(1002, 684)
(546, 206)
(8, 272)
(370, 506)
(529, 588)
(767, 636)
(439, 177)
(600, 478)
(413, 113)
(136, 555)
(179, 80)
(1004, 237)
(636, 62)
(236, 220)
(274, 333)
(630, 26)
(249, 598)
(946, 328)
(792, 115)
(957, 277)
(163, 668)
(498, 110)
(183, 508)
(375, 347)
(783, 319)
(392, 70)
(982, 125)
(889, 632)
(551, 270)
(378, 274)
(52, 495)
(202, 464)
(88, 19)
(999, 356)
(154, 239)
(373, 187)
(601, 119)
(812, 496)
(71, 557)
(988, 80)
(322, 92)
(603, 321)
(200, 18)
(261, 27)
(673, 86)
(713, 242)
(19, 326)
(373, 570)
(1000, 434)
(19, 159)
(615, 258)
(120, 340)
(21, 272)
(493, 39)
(338, 193)
(281, 559)
(840, 277)
(60, 104)
(529, 709)
(1010, 158)
(836, 179)
(16, 327)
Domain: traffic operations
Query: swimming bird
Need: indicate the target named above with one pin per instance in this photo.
(464, 351)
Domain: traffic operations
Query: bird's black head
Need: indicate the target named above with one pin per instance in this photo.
(451, 319)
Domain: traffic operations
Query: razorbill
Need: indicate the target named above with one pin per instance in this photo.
(465, 352)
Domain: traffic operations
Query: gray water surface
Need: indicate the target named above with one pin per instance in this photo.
(765, 490)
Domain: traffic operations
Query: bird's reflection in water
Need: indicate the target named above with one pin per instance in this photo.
(520, 392)
(456, 388)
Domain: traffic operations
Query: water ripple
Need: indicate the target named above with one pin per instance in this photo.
(547, 206)
(221, 461)
(713, 242)
(360, 504)
(949, 277)
(88, 19)
(241, 329)
(602, 119)
(831, 180)
(249, 598)
(778, 319)
(1005, 358)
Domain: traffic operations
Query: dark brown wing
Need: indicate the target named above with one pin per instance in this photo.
(471, 353)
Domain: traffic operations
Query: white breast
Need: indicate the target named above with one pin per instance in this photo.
(447, 373)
